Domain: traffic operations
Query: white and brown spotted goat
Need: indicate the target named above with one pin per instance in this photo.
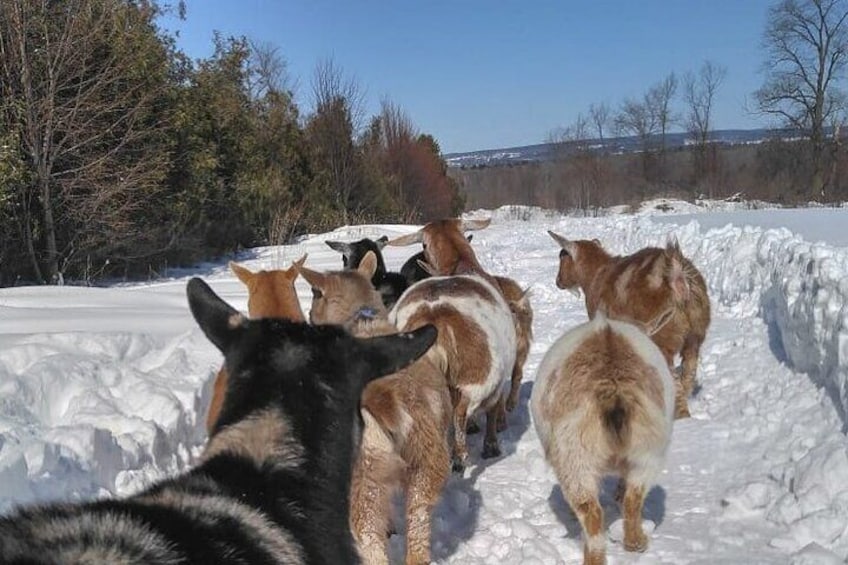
(476, 347)
(602, 403)
(405, 442)
(640, 287)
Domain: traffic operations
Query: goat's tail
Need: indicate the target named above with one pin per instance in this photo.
(616, 411)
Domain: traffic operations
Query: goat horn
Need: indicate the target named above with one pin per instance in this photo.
(408, 239)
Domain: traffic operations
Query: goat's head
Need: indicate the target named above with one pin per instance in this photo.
(340, 297)
(312, 376)
(271, 294)
(576, 258)
(445, 248)
(354, 252)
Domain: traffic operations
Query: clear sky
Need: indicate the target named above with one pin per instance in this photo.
(500, 73)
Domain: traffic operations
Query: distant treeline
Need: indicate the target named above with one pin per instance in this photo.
(119, 156)
(777, 170)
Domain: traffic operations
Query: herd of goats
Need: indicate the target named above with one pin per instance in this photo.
(315, 427)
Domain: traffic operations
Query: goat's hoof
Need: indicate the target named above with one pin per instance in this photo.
(472, 427)
(491, 450)
(637, 542)
(511, 403)
(682, 413)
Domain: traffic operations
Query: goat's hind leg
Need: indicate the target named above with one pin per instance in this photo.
(632, 502)
(689, 362)
(424, 486)
(584, 502)
(491, 447)
(460, 421)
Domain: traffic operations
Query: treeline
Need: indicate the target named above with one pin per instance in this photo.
(774, 171)
(119, 156)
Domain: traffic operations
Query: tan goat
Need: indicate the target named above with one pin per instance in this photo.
(640, 287)
(602, 404)
(476, 346)
(405, 442)
(271, 294)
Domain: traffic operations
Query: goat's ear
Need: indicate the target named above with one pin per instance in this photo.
(296, 266)
(388, 354)
(677, 280)
(569, 246)
(428, 268)
(219, 321)
(382, 241)
(470, 225)
(340, 246)
(314, 278)
(368, 265)
(244, 274)
(408, 239)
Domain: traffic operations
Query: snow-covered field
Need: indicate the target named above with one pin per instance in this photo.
(104, 389)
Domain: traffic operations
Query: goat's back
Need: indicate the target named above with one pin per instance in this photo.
(604, 394)
(636, 287)
(476, 341)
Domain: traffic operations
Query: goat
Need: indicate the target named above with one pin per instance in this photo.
(414, 269)
(602, 404)
(638, 287)
(390, 285)
(271, 294)
(519, 303)
(476, 347)
(407, 417)
(273, 482)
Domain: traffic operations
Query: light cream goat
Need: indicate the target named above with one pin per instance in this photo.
(602, 403)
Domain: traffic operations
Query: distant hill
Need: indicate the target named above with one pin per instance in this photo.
(545, 151)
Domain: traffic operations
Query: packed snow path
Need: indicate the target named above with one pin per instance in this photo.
(103, 390)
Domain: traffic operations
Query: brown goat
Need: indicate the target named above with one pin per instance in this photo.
(602, 404)
(271, 294)
(476, 345)
(639, 287)
(405, 443)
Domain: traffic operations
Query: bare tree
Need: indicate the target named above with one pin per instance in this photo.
(80, 81)
(582, 167)
(337, 119)
(699, 93)
(636, 118)
(600, 116)
(806, 42)
(658, 100)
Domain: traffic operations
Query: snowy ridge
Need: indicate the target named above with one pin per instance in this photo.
(105, 390)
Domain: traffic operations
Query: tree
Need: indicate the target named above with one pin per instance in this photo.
(806, 44)
(699, 94)
(332, 129)
(82, 82)
(600, 116)
(658, 101)
(648, 118)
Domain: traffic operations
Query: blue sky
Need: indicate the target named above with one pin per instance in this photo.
(482, 75)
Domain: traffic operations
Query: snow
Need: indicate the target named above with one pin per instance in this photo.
(103, 390)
